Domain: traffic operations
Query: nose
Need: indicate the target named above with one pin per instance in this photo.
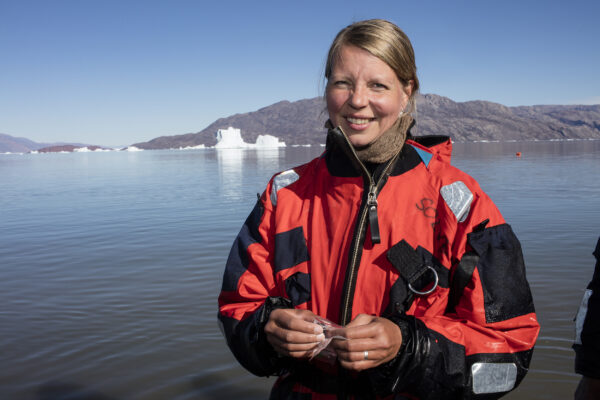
(359, 97)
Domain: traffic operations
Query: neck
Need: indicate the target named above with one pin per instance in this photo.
(388, 144)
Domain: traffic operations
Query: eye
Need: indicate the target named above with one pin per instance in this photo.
(379, 86)
(341, 83)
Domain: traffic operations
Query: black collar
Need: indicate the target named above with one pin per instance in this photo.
(341, 160)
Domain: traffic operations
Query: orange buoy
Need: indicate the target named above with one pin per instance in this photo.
(518, 154)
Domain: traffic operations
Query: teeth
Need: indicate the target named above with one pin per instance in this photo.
(358, 121)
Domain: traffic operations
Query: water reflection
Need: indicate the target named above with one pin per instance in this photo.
(268, 159)
(230, 172)
(113, 263)
(238, 166)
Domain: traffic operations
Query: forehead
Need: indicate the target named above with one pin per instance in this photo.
(356, 61)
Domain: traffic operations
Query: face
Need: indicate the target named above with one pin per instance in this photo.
(364, 95)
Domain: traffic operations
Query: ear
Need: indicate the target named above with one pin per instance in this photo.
(408, 88)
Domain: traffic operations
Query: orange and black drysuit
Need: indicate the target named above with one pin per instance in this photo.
(340, 237)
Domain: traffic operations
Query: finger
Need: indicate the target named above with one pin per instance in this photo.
(362, 331)
(354, 345)
(340, 332)
(296, 350)
(358, 361)
(361, 319)
(296, 320)
(292, 347)
(290, 336)
(359, 356)
(355, 329)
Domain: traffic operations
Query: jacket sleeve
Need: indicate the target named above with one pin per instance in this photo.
(587, 326)
(249, 294)
(480, 347)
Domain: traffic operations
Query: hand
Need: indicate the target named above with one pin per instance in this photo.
(292, 333)
(380, 337)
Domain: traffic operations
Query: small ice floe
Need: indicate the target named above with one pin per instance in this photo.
(133, 148)
(200, 146)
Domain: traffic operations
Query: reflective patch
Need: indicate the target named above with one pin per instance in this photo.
(282, 180)
(458, 197)
(580, 319)
(493, 377)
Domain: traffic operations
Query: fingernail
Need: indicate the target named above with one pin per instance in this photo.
(318, 329)
(320, 337)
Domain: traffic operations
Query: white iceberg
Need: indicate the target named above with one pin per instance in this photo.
(264, 141)
(231, 138)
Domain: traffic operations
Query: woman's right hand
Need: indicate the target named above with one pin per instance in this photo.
(292, 333)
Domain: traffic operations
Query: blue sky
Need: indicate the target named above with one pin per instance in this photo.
(118, 72)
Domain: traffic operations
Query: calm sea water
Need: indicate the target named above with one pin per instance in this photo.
(111, 263)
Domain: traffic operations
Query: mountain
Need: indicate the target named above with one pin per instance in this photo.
(11, 144)
(484, 120)
(301, 122)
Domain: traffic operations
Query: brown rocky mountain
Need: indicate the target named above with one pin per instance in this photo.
(301, 122)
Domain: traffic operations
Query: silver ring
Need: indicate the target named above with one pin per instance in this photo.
(435, 283)
(366, 355)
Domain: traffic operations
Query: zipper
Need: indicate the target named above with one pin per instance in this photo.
(371, 210)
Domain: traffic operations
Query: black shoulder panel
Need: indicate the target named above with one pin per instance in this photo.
(502, 271)
(290, 249)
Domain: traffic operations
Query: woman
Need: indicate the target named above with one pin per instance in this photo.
(383, 237)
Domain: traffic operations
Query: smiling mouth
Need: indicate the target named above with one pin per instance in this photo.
(359, 121)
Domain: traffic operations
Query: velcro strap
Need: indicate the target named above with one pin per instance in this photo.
(462, 277)
(407, 261)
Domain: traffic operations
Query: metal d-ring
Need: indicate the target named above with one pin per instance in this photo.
(435, 283)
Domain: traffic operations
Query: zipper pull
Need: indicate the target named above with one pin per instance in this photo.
(373, 219)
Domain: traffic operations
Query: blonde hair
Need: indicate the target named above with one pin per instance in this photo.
(385, 41)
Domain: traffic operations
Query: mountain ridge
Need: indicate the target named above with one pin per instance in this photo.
(301, 122)
(13, 144)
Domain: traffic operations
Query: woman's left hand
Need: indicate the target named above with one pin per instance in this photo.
(371, 341)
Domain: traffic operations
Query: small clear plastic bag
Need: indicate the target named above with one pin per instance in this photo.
(328, 330)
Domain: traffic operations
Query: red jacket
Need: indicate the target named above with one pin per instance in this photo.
(312, 242)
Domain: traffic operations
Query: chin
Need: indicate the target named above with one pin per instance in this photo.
(358, 141)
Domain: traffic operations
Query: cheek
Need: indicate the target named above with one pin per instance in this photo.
(390, 107)
(335, 102)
